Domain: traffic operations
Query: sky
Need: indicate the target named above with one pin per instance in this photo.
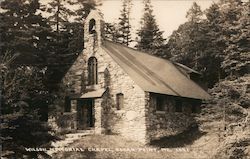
(169, 14)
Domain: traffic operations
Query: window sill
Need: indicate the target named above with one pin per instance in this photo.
(120, 111)
(160, 112)
(92, 87)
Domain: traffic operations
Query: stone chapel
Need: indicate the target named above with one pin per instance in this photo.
(114, 89)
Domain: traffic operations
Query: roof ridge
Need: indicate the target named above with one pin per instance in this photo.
(166, 76)
(142, 52)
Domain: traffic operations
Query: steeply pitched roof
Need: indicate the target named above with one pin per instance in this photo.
(153, 74)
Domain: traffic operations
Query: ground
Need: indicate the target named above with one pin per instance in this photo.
(191, 144)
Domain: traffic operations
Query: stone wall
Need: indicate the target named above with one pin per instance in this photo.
(130, 120)
(167, 122)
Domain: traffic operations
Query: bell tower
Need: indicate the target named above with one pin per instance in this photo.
(92, 32)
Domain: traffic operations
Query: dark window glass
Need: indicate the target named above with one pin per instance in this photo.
(67, 104)
(92, 71)
(160, 103)
(178, 105)
(92, 26)
(119, 101)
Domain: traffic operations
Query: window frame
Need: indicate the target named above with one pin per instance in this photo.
(92, 24)
(160, 103)
(67, 104)
(178, 105)
(92, 71)
(119, 101)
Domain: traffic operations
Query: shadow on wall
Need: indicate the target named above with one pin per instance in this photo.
(187, 137)
(109, 116)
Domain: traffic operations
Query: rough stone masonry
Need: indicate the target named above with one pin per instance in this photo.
(138, 119)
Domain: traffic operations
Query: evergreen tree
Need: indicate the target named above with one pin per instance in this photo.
(215, 38)
(124, 27)
(68, 39)
(194, 14)
(236, 33)
(150, 38)
(59, 14)
(192, 45)
(216, 46)
(24, 31)
(189, 38)
(24, 97)
(58, 19)
(76, 27)
(111, 32)
(84, 7)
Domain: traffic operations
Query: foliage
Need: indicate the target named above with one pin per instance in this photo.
(111, 32)
(124, 26)
(190, 46)
(24, 31)
(84, 7)
(150, 38)
(236, 61)
(216, 46)
(59, 14)
(24, 97)
(67, 40)
(227, 106)
(24, 104)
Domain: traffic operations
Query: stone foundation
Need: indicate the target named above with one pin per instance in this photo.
(167, 122)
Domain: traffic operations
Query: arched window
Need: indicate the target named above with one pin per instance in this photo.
(92, 26)
(119, 101)
(92, 71)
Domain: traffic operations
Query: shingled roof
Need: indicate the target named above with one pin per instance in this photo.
(153, 74)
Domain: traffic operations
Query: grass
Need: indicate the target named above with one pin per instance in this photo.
(174, 147)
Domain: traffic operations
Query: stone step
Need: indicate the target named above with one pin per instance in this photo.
(70, 138)
(61, 143)
(79, 135)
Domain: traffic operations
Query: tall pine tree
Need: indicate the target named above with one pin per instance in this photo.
(193, 44)
(236, 25)
(124, 26)
(68, 34)
(185, 44)
(150, 38)
(24, 97)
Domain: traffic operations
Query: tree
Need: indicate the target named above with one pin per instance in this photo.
(189, 39)
(59, 14)
(23, 93)
(193, 44)
(111, 32)
(124, 27)
(24, 31)
(59, 21)
(215, 38)
(76, 27)
(150, 38)
(194, 14)
(236, 32)
(84, 7)
(68, 40)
